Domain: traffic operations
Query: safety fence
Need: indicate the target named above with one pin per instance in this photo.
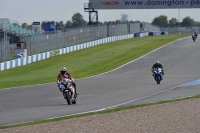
(149, 27)
(37, 57)
(181, 29)
(50, 41)
(4, 50)
(37, 43)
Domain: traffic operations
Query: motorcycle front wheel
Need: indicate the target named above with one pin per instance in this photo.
(68, 97)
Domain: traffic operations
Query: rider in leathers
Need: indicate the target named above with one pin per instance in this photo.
(157, 65)
(65, 74)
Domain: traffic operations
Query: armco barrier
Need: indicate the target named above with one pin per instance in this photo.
(144, 34)
(164, 33)
(46, 55)
(154, 33)
(137, 35)
(141, 34)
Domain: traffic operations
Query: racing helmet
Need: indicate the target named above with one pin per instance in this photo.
(157, 62)
(63, 70)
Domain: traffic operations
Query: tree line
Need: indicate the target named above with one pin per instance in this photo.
(77, 20)
(162, 21)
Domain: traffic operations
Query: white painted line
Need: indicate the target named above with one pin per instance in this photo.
(135, 59)
(111, 107)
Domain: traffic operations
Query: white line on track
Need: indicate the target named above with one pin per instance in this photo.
(111, 107)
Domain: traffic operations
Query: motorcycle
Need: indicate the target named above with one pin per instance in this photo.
(194, 38)
(68, 91)
(158, 75)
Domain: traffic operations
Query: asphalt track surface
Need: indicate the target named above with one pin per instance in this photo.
(131, 84)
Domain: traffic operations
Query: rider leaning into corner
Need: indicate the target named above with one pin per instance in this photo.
(157, 65)
(65, 74)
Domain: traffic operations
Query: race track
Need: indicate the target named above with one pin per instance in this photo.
(132, 82)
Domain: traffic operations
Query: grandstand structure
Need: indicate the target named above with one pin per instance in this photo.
(14, 28)
(9, 30)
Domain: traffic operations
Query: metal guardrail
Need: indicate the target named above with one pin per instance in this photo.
(4, 47)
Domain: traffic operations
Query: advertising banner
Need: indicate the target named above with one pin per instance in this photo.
(143, 4)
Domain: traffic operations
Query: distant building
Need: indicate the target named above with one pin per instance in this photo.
(49, 26)
(124, 17)
(36, 27)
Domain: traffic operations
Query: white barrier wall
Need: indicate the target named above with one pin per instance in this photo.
(46, 55)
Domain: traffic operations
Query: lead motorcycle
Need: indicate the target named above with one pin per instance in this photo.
(158, 75)
(68, 90)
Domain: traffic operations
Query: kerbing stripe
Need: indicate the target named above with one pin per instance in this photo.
(78, 47)
(36, 57)
(13, 64)
(24, 61)
(48, 54)
(21, 61)
(29, 59)
(81, 46)
(43, 56)
(16, 62)
(71, 49)
(39, 57)
(5, 65)
(67, 49)
(8, 64)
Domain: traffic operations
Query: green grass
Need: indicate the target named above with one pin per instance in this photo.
(84, 63)
(96, 113)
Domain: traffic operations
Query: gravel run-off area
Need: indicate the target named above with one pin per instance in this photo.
(176, 117)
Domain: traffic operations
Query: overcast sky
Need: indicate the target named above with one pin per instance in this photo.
(40, 10)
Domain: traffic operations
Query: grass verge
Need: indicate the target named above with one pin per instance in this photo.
(85, 62)
(96, 113)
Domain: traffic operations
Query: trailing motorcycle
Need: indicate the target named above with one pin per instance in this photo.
(158, 75)
(194, 38)
(68, 91)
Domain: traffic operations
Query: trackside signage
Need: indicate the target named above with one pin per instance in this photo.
(143, 4)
